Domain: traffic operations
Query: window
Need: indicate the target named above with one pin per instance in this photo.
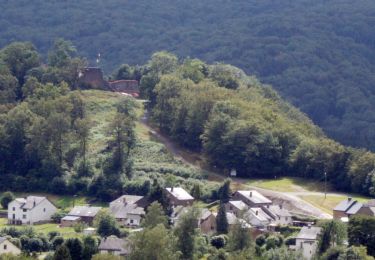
(286, 218)
(44, 210)
(24, 210)
(5, 247)
(24, 216)
(131, 221)
(14, 208)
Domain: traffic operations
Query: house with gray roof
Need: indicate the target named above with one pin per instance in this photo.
(278, 214)
(252, 198)
(30, 210)
(346, 208)
(237, 207)
(114, 245)
(179, 197)
(128, 210)
(257, 218)
(307, 241)
(367, 209)
(86, 213)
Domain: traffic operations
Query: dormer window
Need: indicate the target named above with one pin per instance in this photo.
(24, 210)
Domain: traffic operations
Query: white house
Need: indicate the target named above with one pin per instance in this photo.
(30, 210)
(307, 241)
(256, 217)
(6, 247)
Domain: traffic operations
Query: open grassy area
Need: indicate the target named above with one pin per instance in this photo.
(327, 204)
(289, 184)
(66, 232)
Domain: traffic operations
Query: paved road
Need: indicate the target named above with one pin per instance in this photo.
(290, 200)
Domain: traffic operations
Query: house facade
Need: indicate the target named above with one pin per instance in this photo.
(30, 210)
(307, 241)
(279, 215)
(85, 213)
(6, 247)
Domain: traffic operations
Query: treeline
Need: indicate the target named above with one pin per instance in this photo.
(240, 124)
(318, 54)
(44, 129)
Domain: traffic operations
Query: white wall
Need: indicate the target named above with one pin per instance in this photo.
(308, 247)
(41, 212)
(8, 248)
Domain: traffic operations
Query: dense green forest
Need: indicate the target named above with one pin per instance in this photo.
(318, 54)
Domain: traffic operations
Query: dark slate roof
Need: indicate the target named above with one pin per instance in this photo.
(122, 210)
(113, 243)
(310, 233)
(84, 211)
(345, 205)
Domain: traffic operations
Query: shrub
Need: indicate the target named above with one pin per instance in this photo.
(219, 241)
(6, 198)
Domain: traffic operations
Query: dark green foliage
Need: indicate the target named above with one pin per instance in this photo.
(106, 224)
(318, 54)
(219, 241)
(333, 234)
(361, 231)
(6, 198)
(155, 216)
(224, 192)
(221, 220)
(62, 253)
(75, 248)
(90, 247)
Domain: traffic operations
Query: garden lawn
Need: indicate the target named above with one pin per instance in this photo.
(66, 232)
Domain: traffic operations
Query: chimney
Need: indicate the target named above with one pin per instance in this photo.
(256, 213)
(34, 203)
(349, 198)
(251, 193)
(281, 206)
(124, 200)
(309, 226)
(172, 189)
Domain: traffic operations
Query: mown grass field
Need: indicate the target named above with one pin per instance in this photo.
(289, 184)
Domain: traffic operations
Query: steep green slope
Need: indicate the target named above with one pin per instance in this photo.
(318, 54)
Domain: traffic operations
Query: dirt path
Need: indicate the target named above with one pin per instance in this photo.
(290, 200)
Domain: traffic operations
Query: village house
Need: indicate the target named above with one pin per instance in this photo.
(179, 197)
(307, 241)
(128, 210)
(69, 221)
(279, 215)
(237, 207)
(114, 245)
(252, 198)
(257, 218)
(207, 221)
(367, 209)
(346, 208)
(85, 213)
(30, 210)
(6, 247)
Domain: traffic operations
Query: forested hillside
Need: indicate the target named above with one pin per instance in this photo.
(318, 54)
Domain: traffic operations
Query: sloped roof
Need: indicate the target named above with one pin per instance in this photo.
(205, 213)
(84, 211)
(254, 196)
(231, 218)
(354, 208)
(113, 243)
(179, 193)
(345, 205)
(238, 204)
(71, 218)
(123, 210)
(259, 214)
(310, 233)
(2, 239)
(128, 199)
(30, 202)
(277, 211)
